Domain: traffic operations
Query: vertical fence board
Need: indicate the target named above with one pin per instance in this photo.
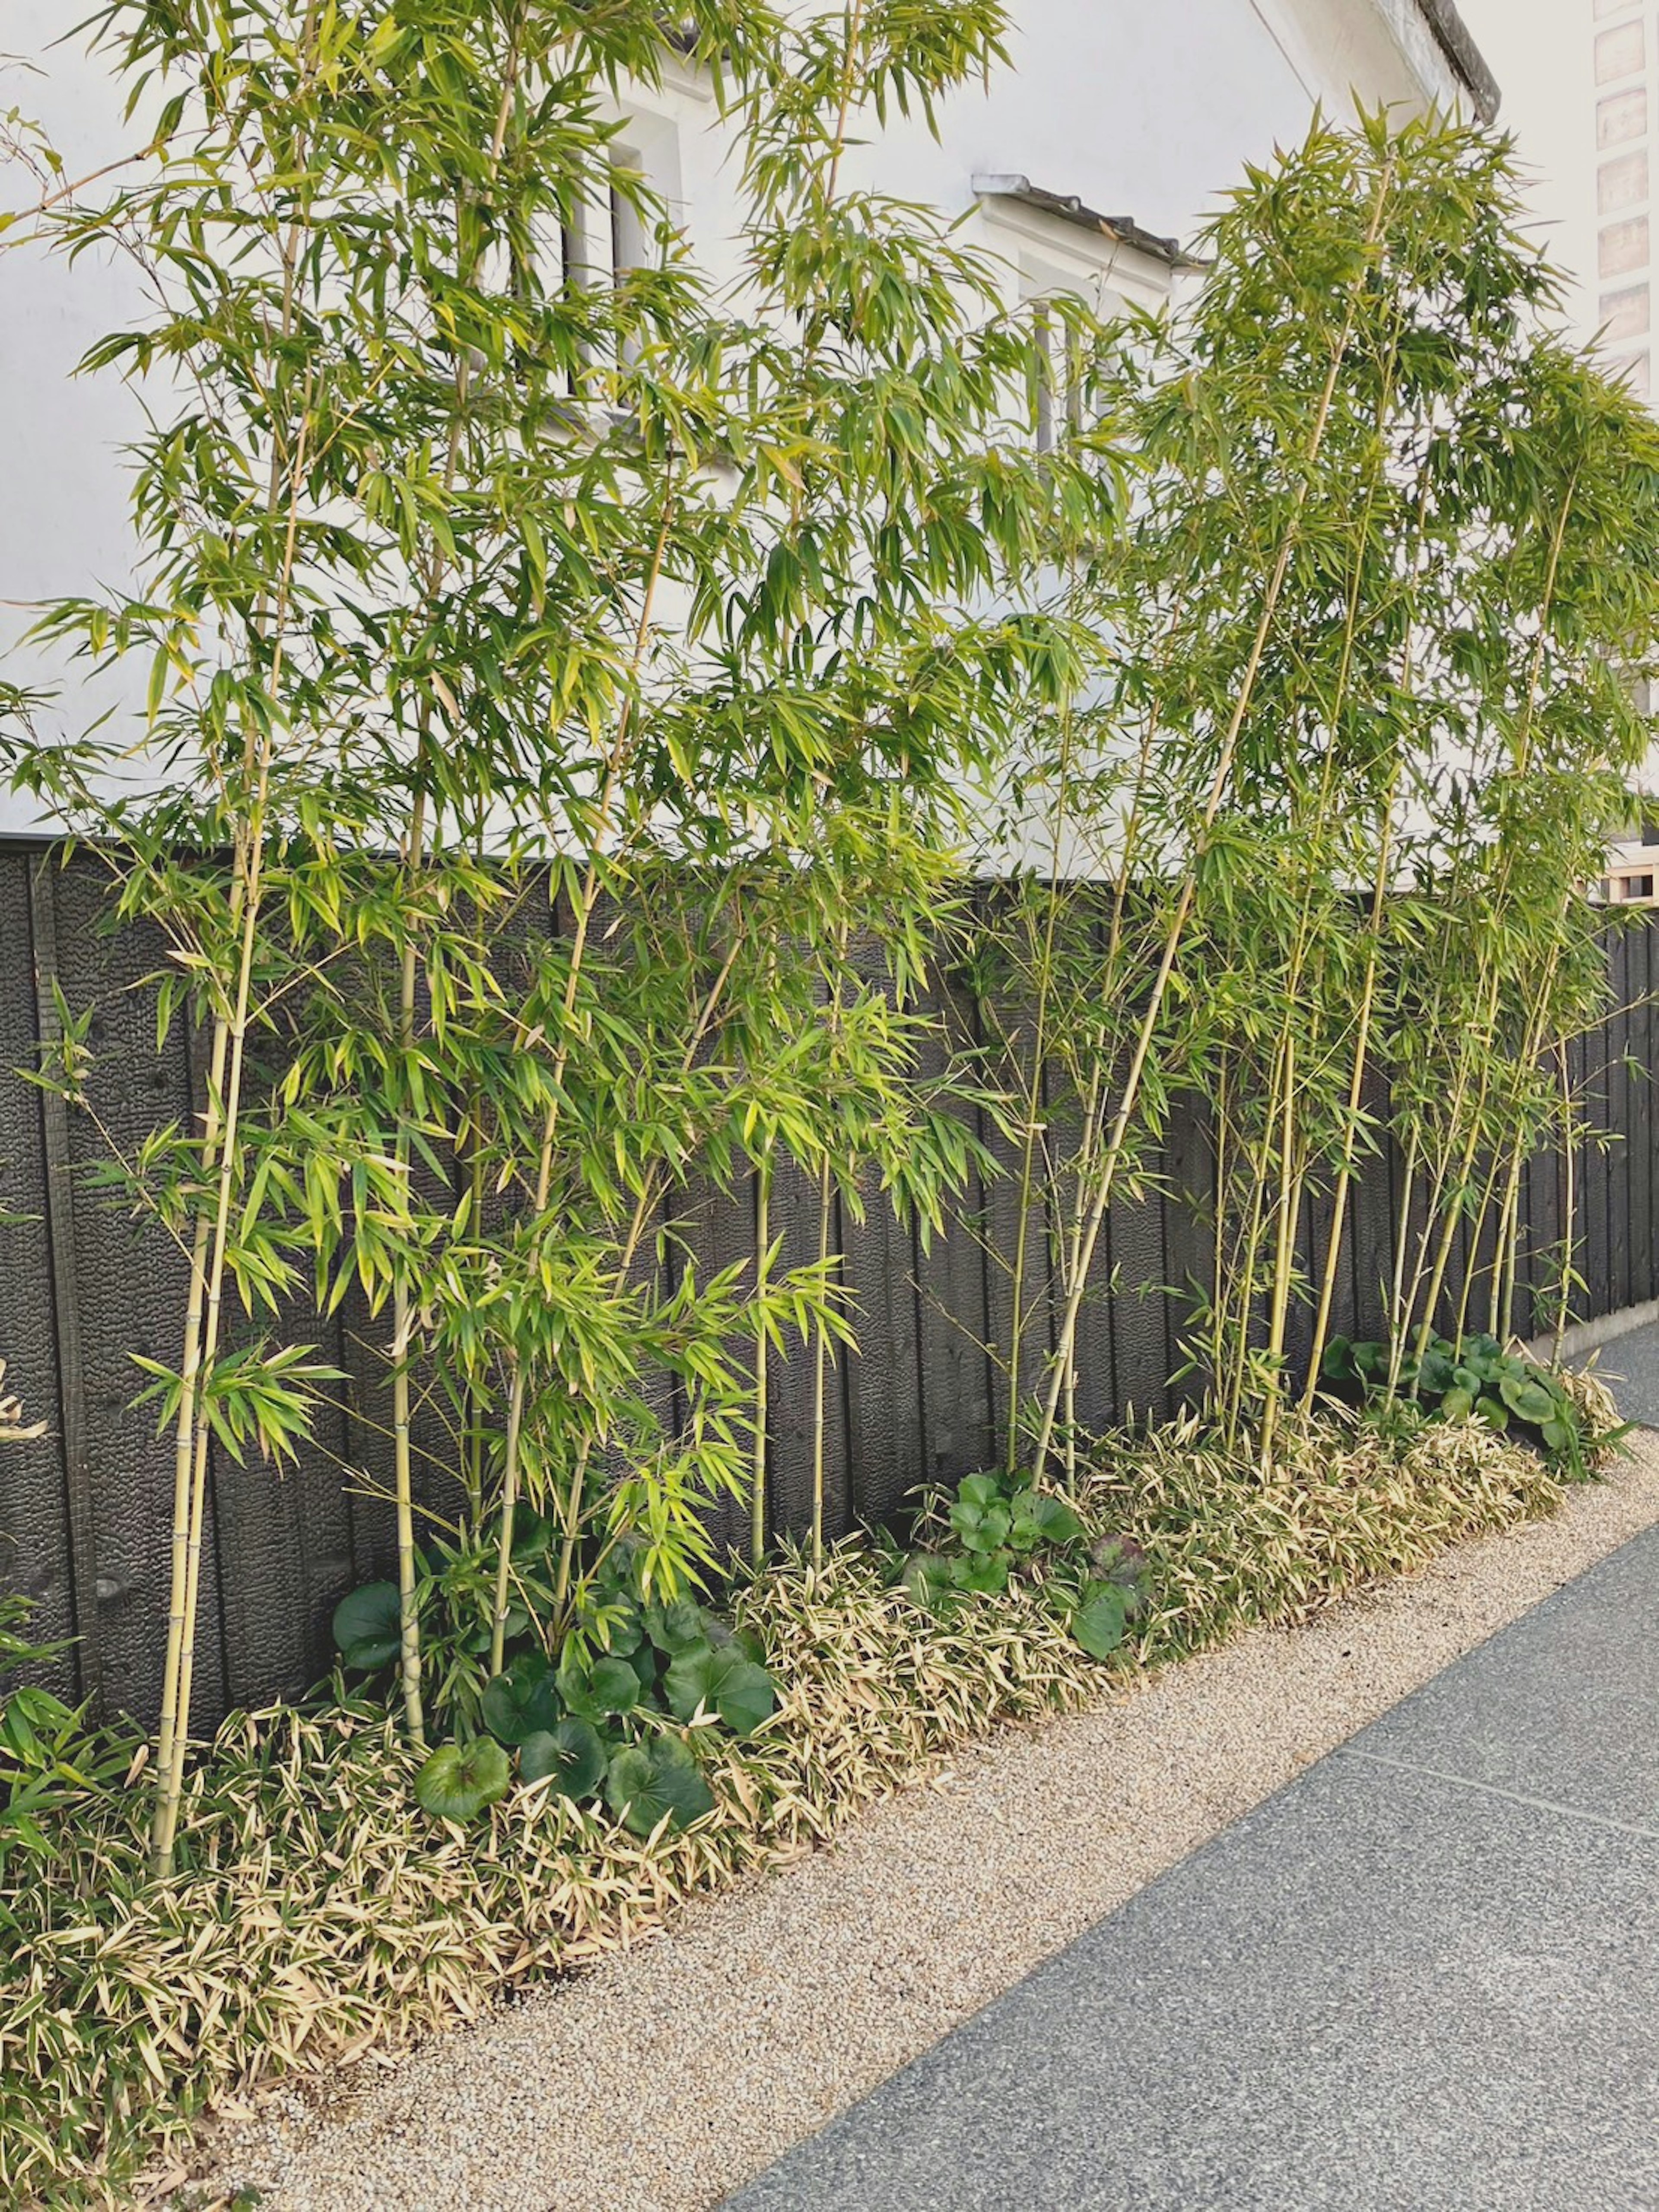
(1189, 1238)
(133, 1288)
(954, 1324)
(1598, 1181)
(59, 1191)
(1371, 1202)
(1641, 1114)
(790, 1442)
(714, 1230)
(1139, 1317)
(1620, 1122)
(40, 1553)
(1016, 1250)
(881, 1377)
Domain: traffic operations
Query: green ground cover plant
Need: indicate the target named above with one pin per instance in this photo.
(1478, 1379)
(591, 1724)
(993, 1527)
(318, 1910)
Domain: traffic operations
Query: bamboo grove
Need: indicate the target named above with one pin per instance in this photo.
(574, 704)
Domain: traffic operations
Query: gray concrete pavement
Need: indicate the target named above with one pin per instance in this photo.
(1424, 1978)
(1630, 1364)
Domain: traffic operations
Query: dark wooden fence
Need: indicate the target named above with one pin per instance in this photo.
(85, 1511)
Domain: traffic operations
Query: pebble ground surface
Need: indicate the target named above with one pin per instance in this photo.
(663, 2078)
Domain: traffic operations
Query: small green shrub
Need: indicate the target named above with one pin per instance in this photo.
(596, 1721)
(1477, 1379)
(997, 1526)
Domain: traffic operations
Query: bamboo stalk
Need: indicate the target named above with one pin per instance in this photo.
(1279, 1307)
(1502, 1309)
(1148, 1028)
(1492, 979)
(616, 760)
(219, 1137)
(1569, 1200)
(409, 1655)
(821, 1362)
(172, 1723)
(171, 1784)
(762, 1284)
(1355, 1096)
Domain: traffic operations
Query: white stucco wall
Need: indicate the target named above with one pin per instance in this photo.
(1147, 108)
(63, 515)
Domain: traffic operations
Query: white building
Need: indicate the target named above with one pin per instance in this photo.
(1624, 52)
(1625, 56)
(1085, 166)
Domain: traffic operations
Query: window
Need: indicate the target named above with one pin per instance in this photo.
(1624, 246)
(1622, 183)
(1620, 53)
(1622, 115)
(609, 228)
(1060, 394)
(1624, 314)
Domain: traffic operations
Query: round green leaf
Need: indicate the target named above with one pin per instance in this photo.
(1041, 1518)
(623, 1630)
(1526, 1400)
(1099, 1622)
(572, 1754)
(1557, 1434)
(596, 1692)
(982, 1528)
(368, 1626)
(1337, 1364)
(980, 1491)
(723, 1681)
(689, 1682)
(985, 1572)
(459, 1781)
(677, 1626)
(1436, 1375)
(647, 1783)
(1494, 1413)
(522, 1702)
(1457, 1404)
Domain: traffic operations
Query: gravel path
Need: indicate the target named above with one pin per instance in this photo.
(664, 2078)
